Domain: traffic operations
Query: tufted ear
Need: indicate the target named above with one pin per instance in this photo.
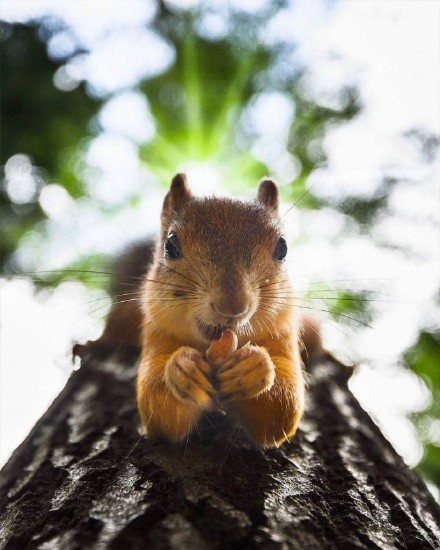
(268, 194)
(177, 196)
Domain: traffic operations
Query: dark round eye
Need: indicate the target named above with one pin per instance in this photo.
(280, 251)
(171, 247)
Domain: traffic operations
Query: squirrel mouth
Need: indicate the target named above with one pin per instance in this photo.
(210, 332)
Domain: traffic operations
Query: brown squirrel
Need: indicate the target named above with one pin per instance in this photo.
(217, 265)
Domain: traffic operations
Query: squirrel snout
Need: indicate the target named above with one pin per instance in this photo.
(232, 306)
(231, 309)
(232, 297)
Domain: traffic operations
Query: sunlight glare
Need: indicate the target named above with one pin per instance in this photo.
(205, 178)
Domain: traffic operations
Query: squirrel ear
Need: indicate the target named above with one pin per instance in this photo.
(268, 194)
(178, 194)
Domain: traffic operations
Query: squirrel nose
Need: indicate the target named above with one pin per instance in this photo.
(231, 310)
(232, 297)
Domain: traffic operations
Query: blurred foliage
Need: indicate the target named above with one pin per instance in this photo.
(39, 121)
(365, 211)
(344, 305)
(309, 125)
(354, 306)
(424, 359)
(196, 116)
(36, 109)
(199, 106)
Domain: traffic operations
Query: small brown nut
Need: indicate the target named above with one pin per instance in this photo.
(220, 349)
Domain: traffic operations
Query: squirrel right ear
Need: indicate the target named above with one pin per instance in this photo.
(177, 196)
(268, 194)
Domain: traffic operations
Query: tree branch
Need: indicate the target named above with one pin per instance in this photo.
(84, 478)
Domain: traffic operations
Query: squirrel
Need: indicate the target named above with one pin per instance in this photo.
(217, 266)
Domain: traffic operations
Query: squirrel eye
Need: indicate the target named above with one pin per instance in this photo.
(280, 249)
(171, 247)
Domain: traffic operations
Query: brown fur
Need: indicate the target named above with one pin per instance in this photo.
(124, 322)
(226, 269)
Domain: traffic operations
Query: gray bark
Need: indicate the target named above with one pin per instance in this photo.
(84, 478)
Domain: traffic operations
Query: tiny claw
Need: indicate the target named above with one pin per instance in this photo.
(217, 405)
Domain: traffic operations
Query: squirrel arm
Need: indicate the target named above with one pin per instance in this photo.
(163, 414)
(273, 416)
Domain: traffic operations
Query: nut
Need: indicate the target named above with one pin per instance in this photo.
(221, 349)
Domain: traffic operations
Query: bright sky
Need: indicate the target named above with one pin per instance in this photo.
(391, 50)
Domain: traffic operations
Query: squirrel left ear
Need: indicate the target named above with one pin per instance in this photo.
(268, 194)
(178, 195)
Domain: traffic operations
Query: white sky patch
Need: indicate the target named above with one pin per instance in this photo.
(22, 181)
(398, 392)
(56, 201)
(296, 20)
(392, 52)
(34, 372)
(124, 58)
(118, 174)
(89, 20)
(213, 26)
(250, 6)
(65, 79)
(204, 178)
(182, 5)
(409, 200)
(86, 231)
(63, 44)
(122, 50)
(271, 114)
(128, 114)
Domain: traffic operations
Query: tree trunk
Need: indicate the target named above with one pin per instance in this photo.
(84, 478)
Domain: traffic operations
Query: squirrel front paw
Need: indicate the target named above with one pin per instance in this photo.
(248, 372)
(187, 375)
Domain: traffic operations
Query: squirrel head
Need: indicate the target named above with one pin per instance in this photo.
(218, 264)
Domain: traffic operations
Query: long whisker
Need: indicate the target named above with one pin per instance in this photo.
(273, 283)
(230, 444)
(336, 313)
(169, 284)
(94, 272)
(180, 274)
(354, 280)
(328, 290)
(198, 272)
(309, 298)
(109, 298)
(178, 300)
(263, 319)
(306, 192)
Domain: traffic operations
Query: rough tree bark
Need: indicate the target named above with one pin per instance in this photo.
(84, 479)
